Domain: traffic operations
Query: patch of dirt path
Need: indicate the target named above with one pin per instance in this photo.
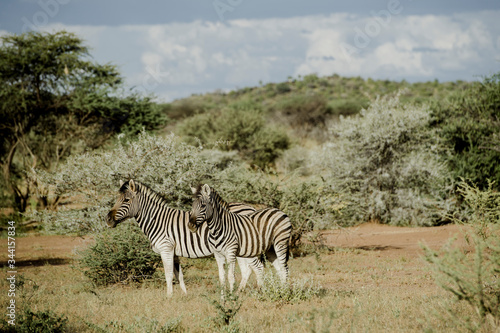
(387, 240)
(41, 250)
(395, 241)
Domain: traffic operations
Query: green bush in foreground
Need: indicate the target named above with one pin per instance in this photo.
(474, 278)
(37, 322)
(292, 292)
(120, 255)
(140, 325)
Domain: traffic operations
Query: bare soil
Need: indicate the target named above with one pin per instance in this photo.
(387, 241)
(395, 241)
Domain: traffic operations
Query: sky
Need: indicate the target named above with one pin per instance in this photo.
(175, 48)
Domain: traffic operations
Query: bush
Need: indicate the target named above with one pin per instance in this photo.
(274, 291)
(93, 179)
(140, 325)
(347, 107)
(240, 127)
(304, 110)
(120, 255)
(309, 204)
(386, 163)
(473, 278)
(35, 322)
(470, 125)
(283, 88)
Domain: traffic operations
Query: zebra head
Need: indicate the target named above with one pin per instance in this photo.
(126, 205)
(202, 209)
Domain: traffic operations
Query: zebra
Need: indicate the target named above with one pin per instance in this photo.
(167, 230)
(266, 231)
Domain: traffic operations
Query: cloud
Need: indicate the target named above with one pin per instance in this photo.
(408, 47)
(177, 59)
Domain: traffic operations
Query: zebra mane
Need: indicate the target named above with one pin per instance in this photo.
(215, 196)
(146, 190)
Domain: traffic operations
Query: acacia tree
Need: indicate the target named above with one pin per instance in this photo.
(54, 100)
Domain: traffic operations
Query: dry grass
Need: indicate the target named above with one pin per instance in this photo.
(363, 291)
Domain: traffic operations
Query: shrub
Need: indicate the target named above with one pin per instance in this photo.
(226, 308)
(140, 325)
(304, 110)
(386, 163)
(473, 278)
(283, 88)
(484, 207)
(93, 178)
(240, 127)
(308, 203)
(347, 107)
(295, 291)
(38, 321)
(120, 255)
(469, 124)
(267, 145)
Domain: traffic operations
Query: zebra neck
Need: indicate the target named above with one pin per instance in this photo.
(148, 213)
(218, 215)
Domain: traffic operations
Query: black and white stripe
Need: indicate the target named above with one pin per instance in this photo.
(266, 231)
(167, 230)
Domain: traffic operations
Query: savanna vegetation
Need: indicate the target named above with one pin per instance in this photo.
(329, 151)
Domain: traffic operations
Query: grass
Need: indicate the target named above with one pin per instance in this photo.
(361, 291)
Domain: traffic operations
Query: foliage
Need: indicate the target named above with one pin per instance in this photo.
(473, 278)
(308, 203)
(119, 255)
(36, 322)
(55, 102)
(484, 207)
(304, 110)
(347, 107)
(168, 166)
(140, 325)
(386, 163)
(240, 127)
(226, 308)
(469, 123)
(295, 291)
(283, 88)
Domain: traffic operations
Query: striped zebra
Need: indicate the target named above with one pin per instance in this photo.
(167, 230)
(266, 231)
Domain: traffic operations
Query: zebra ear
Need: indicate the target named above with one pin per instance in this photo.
(205, 190)
(193, 189)
(121, 183)
(131, 185)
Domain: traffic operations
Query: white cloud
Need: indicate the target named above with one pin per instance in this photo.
(177, 59)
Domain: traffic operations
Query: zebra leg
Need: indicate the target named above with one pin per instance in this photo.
(246, 271)
(281, 261)
(279, 264)
(258, 268)
(220, 264)
(230, 271)
(168, 266)
(247, 265)
(178, 274)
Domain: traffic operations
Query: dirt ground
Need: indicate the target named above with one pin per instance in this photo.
(387, 241)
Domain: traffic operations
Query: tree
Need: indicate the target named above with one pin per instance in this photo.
(55, 101)
(469, 123)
